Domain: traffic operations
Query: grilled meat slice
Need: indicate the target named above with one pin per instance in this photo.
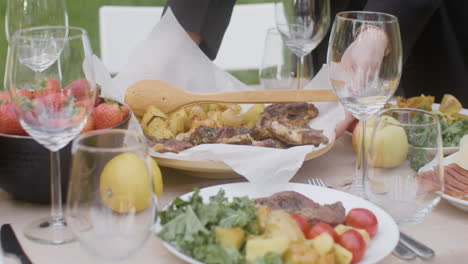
(293, 202)
(241, 139)
(170, 145)
(206, 135)
(295, 114)
(297, 135)
(269, 143)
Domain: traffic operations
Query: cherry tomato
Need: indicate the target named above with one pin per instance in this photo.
(320, 228)
(302, 223)
(353, 241)
(363, 219)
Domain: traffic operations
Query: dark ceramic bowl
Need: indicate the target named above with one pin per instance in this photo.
(25, 167)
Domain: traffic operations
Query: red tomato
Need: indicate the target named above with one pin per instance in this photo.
(320, 228)
(353, 241)
(302, 223)
(363, 219)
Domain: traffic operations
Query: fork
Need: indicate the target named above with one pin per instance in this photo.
(401, 250)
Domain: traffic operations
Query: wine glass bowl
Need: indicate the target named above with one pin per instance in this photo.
(302, 24)
(21, 14)
(363, 72)
(111, 205)
(408, 181)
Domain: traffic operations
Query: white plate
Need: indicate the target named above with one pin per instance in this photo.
(459, 203)
(381, 245)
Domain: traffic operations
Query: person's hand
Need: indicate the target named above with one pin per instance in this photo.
(343, 125)
(362, 59)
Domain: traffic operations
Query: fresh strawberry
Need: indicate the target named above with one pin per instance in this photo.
(79, 89)
(25, 93)
(107, 115)
(50, 103)
(125, 111)
(4, 98)
(9, 124)
(89, 126)
(52, 86)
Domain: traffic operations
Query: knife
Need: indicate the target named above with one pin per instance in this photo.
(417, 247)
(11, 245)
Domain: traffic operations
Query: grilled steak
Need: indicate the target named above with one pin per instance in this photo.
(297, 135)
(293, 202)
(170, 145)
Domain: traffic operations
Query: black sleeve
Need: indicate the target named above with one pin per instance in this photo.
(413, 16)
(209, 18)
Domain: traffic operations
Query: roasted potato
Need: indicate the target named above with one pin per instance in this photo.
(195, 113)
(177, 121)
(159, 129)
(281, 224)
(230, 237)
(300, 253)
(262, 213)
(216, 117)
(323, 244)
(258, 247)
(250, 117)
(342, 255)
(230, 118)
(151, 113)
(327, 259)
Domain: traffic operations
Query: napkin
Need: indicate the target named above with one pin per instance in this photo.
(169, 54)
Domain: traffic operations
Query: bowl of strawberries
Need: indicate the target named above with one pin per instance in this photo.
(25, 164)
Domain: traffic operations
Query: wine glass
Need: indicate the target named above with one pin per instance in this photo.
(51, 107)
(365, 61)
(277, 69)
(111, 204)
(406, 179)
(302, 24)
(22, 14)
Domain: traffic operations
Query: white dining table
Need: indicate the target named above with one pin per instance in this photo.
(445, 230)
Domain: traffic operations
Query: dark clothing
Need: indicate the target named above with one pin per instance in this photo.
(434, 39)
(210, 18)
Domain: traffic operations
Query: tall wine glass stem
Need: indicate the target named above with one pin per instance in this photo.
(361, 162)
(300, 62)
(56, 188)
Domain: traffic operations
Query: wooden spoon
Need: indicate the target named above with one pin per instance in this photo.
(168, 98)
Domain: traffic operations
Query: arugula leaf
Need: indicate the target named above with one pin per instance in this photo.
(189, 225)
(270, 258)
(217, 254)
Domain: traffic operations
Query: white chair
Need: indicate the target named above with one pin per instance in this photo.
(122, 27)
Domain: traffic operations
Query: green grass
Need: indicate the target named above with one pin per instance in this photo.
(85, 13)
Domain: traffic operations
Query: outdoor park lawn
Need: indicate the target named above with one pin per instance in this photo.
(84, 13)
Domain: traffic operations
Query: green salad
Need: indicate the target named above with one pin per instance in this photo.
(190, 227)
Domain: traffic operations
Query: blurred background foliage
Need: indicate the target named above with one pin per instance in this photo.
(85, 13)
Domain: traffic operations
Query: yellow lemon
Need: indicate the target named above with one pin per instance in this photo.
(157, 178)
(124, 183)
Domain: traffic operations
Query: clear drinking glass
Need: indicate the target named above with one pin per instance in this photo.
(111, 204)
(303, 24)
(278, 66)
(52, 86)
(407, 179)
(365, 61)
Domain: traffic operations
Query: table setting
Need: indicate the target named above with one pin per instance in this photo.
(174, 160)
